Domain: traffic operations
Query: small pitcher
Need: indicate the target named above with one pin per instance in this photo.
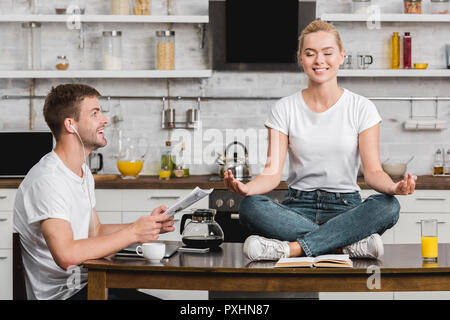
(131, 155)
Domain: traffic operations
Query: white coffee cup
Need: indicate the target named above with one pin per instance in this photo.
(153, 251)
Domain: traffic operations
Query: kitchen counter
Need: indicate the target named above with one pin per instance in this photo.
(202, 181)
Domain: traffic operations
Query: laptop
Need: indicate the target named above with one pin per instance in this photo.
(130, 251)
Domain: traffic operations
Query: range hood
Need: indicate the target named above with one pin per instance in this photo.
(257, 35)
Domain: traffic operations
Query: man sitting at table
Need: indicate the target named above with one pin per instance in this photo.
(54, 210)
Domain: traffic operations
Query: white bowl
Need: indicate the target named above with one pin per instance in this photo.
(394, 169)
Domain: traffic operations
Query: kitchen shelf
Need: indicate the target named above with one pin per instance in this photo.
(105, 74)
(103, 18)
(385, 17)
(394, 73)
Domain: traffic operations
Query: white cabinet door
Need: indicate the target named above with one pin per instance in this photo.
(429, 295)
(108, 200)
(426, 201)
(7, 197)
(6, 274)
(356, 295)
(407, 229)
(6, 229)
(106, 217)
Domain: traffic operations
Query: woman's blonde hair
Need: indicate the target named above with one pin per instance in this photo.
(316, 26)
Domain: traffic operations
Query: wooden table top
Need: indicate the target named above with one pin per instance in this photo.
(398, 259)
(203, 181)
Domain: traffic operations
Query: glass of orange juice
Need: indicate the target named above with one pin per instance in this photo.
(429, 232)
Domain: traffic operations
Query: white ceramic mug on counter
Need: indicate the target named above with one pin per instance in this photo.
(153, 251)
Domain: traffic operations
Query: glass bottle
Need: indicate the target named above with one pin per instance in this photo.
(112, 50)
(447, 163)
(395, 51)
(407, 51)
(167, 162)
(181, 170)
(185, 166)
(165, 50)
(438, 167)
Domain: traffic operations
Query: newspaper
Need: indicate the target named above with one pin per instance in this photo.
(196, 195)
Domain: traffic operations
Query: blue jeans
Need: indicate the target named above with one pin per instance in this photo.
(320, 221)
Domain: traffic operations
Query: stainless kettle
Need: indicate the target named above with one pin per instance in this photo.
(238, 166)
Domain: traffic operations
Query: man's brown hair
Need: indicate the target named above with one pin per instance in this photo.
(63, 102)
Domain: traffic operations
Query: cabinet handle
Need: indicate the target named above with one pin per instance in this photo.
(234, 216)
(3, 197)
(430, 198)
(3, 258)
(163, 197)
(439, 222)
(3, 219)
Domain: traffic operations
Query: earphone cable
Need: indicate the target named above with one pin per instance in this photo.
(85, 180)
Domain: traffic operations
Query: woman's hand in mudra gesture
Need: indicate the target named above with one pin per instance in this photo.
(405, 186)
(234, 185)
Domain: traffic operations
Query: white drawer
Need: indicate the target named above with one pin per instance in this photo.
(6, 275)
(7, 197)
(426, 201)
(147, 200)
(407, 229)
(420, 200)
(108, 200)
(111, 217)
(6, 229)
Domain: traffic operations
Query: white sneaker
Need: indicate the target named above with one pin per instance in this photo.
(260, 248)
(370, 247)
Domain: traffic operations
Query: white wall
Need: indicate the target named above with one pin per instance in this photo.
(144, 116)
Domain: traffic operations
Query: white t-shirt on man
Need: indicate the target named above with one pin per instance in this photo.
(51, 190)
(323, 147)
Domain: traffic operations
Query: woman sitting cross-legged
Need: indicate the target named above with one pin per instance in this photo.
(326, 130)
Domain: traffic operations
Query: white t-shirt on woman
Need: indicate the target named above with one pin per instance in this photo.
(323, 147)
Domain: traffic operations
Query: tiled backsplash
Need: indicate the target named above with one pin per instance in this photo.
(222, 119)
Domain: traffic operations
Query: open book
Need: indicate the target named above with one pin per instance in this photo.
(196, 195)
(326, 260)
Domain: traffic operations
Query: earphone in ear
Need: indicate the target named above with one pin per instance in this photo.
(73, 128)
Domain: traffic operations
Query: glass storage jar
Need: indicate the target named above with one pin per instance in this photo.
(141, 7)
(32, 45)
(412, 6)
(62, 63)
(121, 7)
(361, 6)
(439, 6)
(165, 50)
(112, 50)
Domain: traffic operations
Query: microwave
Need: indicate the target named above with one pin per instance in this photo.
(21, 150)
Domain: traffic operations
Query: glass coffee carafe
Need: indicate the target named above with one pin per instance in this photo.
(131, 152)
(202, 231)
